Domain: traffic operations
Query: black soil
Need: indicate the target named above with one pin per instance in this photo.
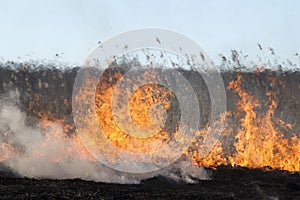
(227, 183)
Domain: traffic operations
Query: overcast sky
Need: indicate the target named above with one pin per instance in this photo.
(41, 29)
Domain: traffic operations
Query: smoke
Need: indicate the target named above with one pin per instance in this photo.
(43, 154)
(44, 150)
(185, 171)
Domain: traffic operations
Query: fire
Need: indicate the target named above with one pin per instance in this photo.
(259, 143)
(140, 103)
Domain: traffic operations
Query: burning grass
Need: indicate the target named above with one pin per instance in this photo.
(261, 128)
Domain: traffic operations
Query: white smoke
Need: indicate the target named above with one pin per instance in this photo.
(35, 153)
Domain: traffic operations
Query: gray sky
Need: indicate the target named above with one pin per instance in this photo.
(40, 29)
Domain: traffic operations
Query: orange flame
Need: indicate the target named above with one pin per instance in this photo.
(142, 100)
(259, 143)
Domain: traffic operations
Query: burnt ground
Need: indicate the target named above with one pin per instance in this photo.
(227, 183)
(37, 83)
